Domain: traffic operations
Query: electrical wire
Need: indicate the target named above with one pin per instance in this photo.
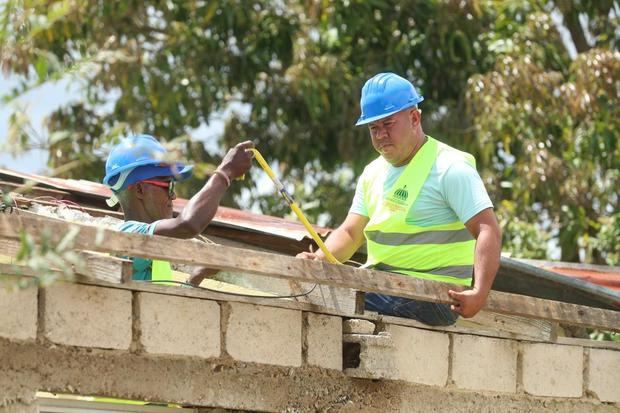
(186, 284)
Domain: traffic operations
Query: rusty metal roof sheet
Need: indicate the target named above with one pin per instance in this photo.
(603, 275)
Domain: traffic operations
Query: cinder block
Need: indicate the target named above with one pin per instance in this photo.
(179, 325)
(357, 326)
(376, 358)
(87, 316)
(604, 374)
(552, 370)
(324, 341)
(482, 363)
(266, 335)
(420, 356)
(18, 310)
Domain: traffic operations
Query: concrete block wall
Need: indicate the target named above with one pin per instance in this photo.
(178, 325)
(77, 315)
(552, 370)
(18, 310)
(133, 322)
(483, 363)
(87, 316)
(487, 364)
(264, 335)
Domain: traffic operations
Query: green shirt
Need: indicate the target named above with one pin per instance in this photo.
(142, 267)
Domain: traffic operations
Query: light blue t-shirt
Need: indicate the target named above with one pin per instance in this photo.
(453, 191)
(142, 267)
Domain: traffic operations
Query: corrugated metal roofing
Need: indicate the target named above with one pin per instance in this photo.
(606, 279)
(603, 275)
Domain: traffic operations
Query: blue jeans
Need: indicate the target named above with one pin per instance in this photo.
(433, 314)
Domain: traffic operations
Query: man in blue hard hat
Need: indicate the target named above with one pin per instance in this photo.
(142, 180)
(421, 208)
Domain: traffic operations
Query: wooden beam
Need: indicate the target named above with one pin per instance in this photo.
(234, 259)
(584, 342)
(97, 265)
(173, 290)
(476, 330)
(342, 299)
(520, 326)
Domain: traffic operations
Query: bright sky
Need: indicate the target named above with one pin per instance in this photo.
(38, 103)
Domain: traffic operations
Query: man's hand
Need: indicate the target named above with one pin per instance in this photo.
(237, 161)
(200, 274)
(308, 255)
(467, 303)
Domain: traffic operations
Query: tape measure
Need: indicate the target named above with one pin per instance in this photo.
(294, 206)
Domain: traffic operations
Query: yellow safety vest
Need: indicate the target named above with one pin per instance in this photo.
(439, 252)
(161, 271)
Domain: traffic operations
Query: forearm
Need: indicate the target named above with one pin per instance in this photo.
(342, 244)
(486, 259)
(201, 208)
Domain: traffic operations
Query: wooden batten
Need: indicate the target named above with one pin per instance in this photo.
(97, 265)
(278, 266)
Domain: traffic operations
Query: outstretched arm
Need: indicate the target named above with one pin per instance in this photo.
(485, 229)
(344, 241)
(201, 208)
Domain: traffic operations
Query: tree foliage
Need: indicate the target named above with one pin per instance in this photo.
(497, 78)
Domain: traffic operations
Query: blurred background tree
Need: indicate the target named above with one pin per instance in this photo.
(538, 110)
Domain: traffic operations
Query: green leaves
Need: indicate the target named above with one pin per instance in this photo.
(50, 258)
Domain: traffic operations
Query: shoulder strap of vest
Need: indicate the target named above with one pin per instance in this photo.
(408, 185)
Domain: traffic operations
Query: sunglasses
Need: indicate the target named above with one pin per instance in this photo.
(169, 185)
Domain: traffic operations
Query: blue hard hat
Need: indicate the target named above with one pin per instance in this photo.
(384, 95)
(140, 157)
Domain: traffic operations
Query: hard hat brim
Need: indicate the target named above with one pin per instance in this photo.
(178, 172)
(363, 121)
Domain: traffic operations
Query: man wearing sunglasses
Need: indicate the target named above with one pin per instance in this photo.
(142, 180)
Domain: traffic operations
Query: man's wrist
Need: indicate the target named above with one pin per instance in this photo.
(481, 291)
(223, 175)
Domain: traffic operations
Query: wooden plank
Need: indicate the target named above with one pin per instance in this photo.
(479, 330)
(360, 302)
(584, 342)
(144, 286)
(229, 258)
(342, 299)
(97, 265)
(104, 267)
(521, 326)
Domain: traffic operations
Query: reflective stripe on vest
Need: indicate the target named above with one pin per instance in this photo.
(439, 252)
